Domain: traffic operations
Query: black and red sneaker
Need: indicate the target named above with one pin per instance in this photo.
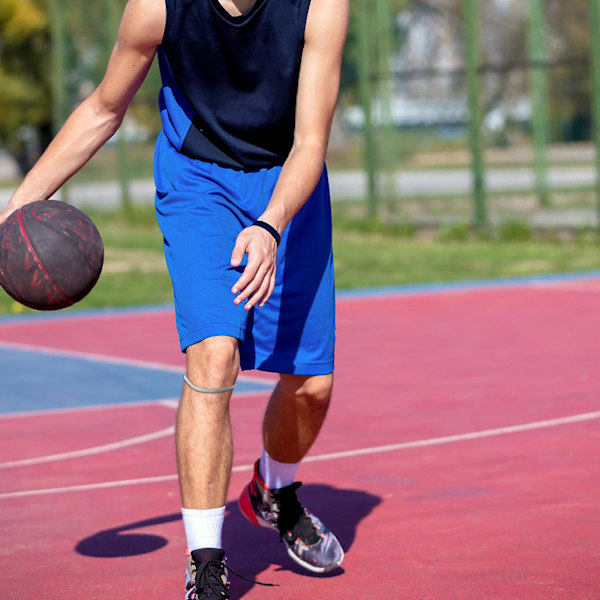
(308, 541)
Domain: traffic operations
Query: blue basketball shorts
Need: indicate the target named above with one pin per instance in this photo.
(201, 208)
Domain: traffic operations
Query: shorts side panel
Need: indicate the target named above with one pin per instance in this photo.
(295, 331)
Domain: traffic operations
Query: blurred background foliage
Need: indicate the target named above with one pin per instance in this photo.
(26, 109)
(24, 73)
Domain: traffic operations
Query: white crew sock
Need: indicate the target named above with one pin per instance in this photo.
(203, 528)
(275, 474)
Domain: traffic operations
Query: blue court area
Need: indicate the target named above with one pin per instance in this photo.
(34, 381)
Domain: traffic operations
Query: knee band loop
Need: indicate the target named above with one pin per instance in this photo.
(208, 390)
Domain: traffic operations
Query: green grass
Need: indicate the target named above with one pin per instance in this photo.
(371, 254)
(371, 260)
(367, 253)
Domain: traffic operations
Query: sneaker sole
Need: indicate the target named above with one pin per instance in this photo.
(312, 568)
(247, 510)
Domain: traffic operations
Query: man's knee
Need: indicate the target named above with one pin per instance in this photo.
(213, 362)
(314, 391)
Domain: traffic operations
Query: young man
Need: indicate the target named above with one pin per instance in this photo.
(249, 89)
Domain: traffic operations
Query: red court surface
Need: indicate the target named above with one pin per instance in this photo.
(460, 459)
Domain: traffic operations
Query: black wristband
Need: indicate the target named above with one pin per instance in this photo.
(270, 229)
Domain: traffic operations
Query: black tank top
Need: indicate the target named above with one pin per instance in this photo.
(230, 83)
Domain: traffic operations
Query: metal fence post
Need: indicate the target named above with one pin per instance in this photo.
(60, 107)
(114, 18)
(471, 14)
(539, 89)
(366, 96)
(386, 97)
(595, 35)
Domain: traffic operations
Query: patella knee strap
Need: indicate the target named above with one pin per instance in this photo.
(208, 390)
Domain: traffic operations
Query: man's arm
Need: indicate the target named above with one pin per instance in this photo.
(96, 119)
(318, 89)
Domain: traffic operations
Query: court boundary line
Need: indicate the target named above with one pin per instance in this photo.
(535, 425)
(90, 357)
(42, 412)
(448, 287)
(140, 439)
(341, 295)
(166, 402)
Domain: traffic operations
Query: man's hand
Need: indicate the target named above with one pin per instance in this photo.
(258, 279)
(12, 206)
(4, 215)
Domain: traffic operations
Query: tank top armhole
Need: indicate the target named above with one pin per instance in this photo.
(302, 18)
(170, 8)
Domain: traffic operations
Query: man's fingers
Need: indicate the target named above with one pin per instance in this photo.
(11, 208)
(262, 293)
(247, 276)
(237, 255)
(6, 213)
(270, 290)
(240, 248)
(254, 283)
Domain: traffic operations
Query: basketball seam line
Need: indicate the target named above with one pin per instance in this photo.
(36, 258)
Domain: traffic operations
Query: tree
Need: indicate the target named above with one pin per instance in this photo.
(24, 67)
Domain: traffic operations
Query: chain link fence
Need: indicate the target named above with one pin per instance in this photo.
(477, 111)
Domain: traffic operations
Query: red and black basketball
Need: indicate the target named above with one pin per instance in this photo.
(51, 255)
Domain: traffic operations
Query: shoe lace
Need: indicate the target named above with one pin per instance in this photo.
(252, 580)
(293, 522)
(214, 577)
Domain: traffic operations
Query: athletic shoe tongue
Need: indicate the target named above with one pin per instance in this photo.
(204, 555)
(292, 517)
(305, 530)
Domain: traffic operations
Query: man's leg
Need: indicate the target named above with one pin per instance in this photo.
(203, 429)
(294, 415)
(293, 419)
(204, 458)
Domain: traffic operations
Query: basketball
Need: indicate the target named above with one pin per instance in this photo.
(51, 255)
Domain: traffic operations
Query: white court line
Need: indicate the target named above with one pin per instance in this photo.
(173, 404)
(167, 402)
(90, 356)
(170, 403)
(77, 409)
(458, 438)
(331, 456)
(90, 451)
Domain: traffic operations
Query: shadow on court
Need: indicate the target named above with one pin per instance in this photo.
(250, 550)
(123, 541)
